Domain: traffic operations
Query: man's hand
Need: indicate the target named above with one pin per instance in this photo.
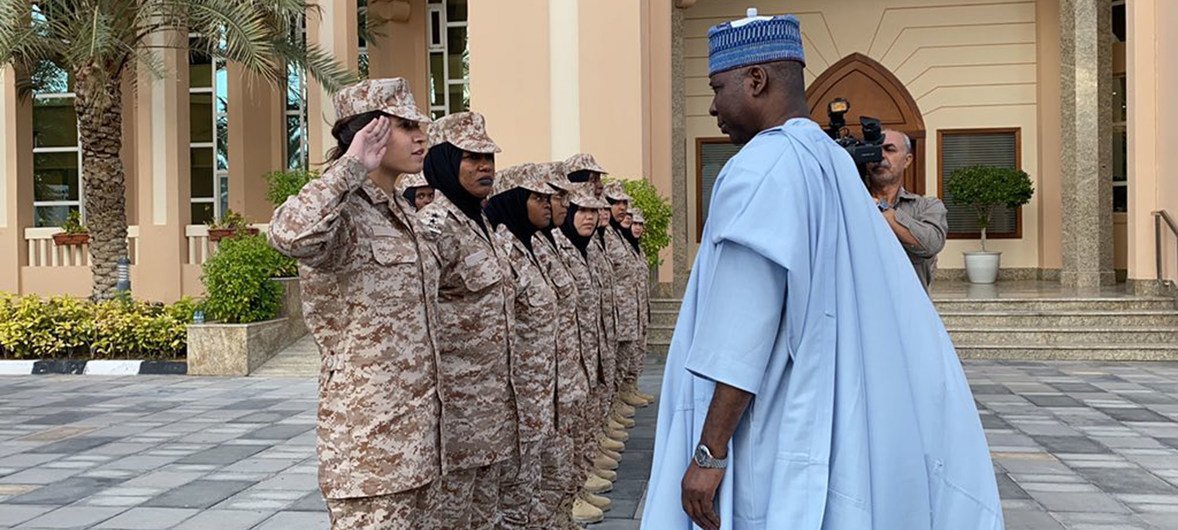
(699, 495)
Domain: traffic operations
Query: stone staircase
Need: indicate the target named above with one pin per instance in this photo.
(300, 359)
(1033, 324)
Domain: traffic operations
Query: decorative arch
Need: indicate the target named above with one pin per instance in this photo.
(873, 91)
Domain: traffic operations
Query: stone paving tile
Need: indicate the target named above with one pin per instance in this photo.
(1075, 445)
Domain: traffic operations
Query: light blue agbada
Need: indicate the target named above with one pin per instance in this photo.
(800, 294)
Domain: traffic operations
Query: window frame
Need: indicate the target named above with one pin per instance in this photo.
(80, 203)
(1018, 159)
(220, 176)
(700, 142)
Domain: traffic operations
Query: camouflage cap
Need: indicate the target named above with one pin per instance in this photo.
(582, 162)
(390, 95)
(615, 192)
(636, 215)
(415, 180)
(556, 176)
(466, 130)
(583, 196)
(527, 176)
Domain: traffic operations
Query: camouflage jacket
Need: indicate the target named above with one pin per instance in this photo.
(603, 278)
(621, 258)
(367, 287)
(642, 268)
(572, 382)
(475, 294)
(533, 342)
(588, 307)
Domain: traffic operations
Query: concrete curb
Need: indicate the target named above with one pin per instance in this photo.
(98, 367)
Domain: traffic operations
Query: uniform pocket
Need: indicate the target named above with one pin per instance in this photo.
(393, 250)
(480, 274)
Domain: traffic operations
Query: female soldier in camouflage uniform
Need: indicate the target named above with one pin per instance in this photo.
(636, 229)
(367, 298)
(627, 283)
(561, 479)
(475, 294)
(573, 241)
(518, 208)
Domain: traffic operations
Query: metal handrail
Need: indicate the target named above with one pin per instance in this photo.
(1158, 217)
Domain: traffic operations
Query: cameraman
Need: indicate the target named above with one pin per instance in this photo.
(920, 223)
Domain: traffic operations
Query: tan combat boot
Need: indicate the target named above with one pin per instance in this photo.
(615, 431)
(585, 513)
(599, 502)
(632, 398)
(627, 423)
(596, 484)
(607, 474)
(626, 410)
(613, 445)
(613, 455)
(604, 462)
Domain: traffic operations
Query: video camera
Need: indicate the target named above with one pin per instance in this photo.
(862, 151)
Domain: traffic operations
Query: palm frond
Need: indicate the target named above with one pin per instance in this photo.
(319, 64)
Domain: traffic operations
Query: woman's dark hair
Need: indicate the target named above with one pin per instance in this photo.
(344, 131)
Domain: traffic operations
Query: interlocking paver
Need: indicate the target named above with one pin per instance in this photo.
(1075, 445)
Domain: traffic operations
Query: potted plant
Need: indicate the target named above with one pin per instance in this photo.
(72, 231)
(230, 225)
(982, 188)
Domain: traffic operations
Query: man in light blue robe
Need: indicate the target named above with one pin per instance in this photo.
(810, 383)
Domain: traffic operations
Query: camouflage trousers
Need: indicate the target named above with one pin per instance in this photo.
(469, 499)
(534, 484)
(629, 354)
(408, 510)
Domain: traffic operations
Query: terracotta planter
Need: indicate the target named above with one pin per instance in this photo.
(217, 234)
(63, 239)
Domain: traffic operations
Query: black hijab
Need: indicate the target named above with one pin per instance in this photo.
(442, 162)
(570, 231)
(629, 235)
(411, 196)
(626, 234)
(580, 176)
(511, 208)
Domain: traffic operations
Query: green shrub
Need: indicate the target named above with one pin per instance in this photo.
(286, 183)
(62, 327)
(136, 329)
(984, 187)
(657, 211)
(238, 283)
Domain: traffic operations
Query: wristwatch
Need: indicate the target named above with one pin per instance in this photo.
(703, 458)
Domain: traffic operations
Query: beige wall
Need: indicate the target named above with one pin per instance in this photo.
(1048, 191)
(967, 64)
(1149, 60)
(257, 141)
(398, 47)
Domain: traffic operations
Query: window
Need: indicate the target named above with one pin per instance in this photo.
(449, 58)
(1120, 147)
(963, 148)
(362, 48)
(710, 156)
(208, 95)
(297, 150)
(57, 160)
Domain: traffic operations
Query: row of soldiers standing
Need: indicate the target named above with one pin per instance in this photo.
(481, 354)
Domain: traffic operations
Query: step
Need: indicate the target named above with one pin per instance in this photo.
(1078, 337)
(660, 333)
(658, 348)
(1060, 319)
(663, 317)
(1097, 352)
(665, 304)
(1140, 303)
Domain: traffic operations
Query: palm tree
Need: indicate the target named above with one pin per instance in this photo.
(100, 41)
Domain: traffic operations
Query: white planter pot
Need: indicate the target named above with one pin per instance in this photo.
(982, 266)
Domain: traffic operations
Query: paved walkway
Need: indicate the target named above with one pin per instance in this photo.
(1076, 445)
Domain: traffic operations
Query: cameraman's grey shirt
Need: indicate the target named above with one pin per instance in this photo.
(928, 220)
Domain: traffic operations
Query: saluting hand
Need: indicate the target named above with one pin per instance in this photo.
(369, 145)
(699, 495)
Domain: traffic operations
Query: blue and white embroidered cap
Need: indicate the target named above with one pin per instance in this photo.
(754, 40)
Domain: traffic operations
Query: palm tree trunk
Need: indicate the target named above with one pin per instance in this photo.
(98, 102)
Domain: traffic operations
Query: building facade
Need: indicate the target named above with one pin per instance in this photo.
(1071, 91)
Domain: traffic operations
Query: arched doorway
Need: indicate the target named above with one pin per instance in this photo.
(873, 91)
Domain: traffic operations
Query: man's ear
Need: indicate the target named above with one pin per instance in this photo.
(756, 80)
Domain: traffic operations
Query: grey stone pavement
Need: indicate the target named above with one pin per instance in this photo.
(1075, 445)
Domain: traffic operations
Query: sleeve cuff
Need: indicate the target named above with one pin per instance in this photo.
(729, 372)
